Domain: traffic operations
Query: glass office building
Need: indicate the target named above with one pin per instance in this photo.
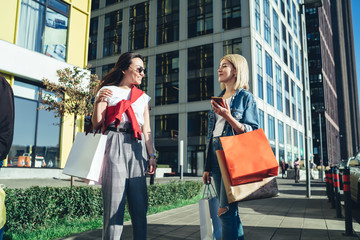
(183, 42)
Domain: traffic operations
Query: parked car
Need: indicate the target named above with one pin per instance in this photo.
(354, 164)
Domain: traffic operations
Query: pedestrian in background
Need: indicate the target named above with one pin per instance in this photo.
(122, 109)
(297, 170)
(238, 114)
(282, 167)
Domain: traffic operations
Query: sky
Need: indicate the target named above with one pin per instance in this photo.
(355, 4)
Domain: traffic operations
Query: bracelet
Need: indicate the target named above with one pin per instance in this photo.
(153, 155)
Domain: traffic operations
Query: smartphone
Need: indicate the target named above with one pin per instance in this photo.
(219, 101)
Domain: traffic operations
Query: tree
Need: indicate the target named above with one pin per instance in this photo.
(73, 94)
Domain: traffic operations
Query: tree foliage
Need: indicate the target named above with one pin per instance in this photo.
(72, 94)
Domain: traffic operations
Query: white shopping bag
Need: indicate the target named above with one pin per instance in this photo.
(210, 225)
(86, 156)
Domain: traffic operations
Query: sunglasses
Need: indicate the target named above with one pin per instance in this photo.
(139, 69)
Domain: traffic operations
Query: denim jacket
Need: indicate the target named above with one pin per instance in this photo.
(244, 109)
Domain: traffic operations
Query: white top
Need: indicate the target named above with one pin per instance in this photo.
(220, 122)
(138, 106)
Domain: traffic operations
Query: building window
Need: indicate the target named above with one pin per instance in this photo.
(112, 33)
(200, 17)
(282, 6)
(231, 14)
(106, 68)
(93, 33)
(267, 25)
(279, 95)
(139, 26)
(280, 132)
(110, 2)
(271, 127)
(299, 105)
(232, 46)
(294, 19)
(276, 33)
(95, 5)
(261, 119)
(259, 70)
(197, 124)
(200, 73)
(288, 13)
(296, 142)
(36, 139)
(166, 139)
(297, 68)
(167, 78)
(287, 95)
(167, 21)
(269, 79)
(288, 135)
(39, 23)
(293, 99)
(257, 16)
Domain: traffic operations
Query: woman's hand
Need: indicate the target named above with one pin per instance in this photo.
(222, 111)
(103, 94)
(206, 177)
(152, 166)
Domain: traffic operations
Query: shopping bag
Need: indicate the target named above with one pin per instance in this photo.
(265, 188)
(210, 225)
(86, 156)
(249, 157)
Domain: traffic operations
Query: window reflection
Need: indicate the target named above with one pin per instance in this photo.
(200, 73)
(231, 14)
(167, 21)
(166, 139)
(93, 38)
(36, 132)
(232, 46)
(200, 17)
(112, 33)
(167, 78)
(197, 131)
(139, 26)
(43, 27)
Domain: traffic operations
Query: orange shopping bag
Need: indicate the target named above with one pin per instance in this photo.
(249, 157)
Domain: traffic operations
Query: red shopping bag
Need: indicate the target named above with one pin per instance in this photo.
(249, 157)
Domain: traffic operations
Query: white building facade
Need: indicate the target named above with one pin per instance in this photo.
(183, 42)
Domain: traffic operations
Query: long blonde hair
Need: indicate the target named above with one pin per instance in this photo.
(242, 71)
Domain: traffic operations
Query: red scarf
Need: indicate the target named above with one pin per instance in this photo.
(114, 113)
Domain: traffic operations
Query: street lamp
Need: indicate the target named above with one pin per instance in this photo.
(320, 111)
(307, 3)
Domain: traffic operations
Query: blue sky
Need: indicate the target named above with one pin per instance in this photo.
(355, 4)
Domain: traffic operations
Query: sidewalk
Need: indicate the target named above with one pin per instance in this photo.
(289, 216)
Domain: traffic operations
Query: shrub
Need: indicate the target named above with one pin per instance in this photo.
(34, 207)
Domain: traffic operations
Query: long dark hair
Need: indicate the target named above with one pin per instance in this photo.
(115, 76)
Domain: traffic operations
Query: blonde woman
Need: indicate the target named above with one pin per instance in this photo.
(237, 114)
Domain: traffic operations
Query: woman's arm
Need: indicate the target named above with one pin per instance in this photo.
(100, 105)
(146, 129)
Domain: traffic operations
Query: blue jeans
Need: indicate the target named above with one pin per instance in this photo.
(231, 224)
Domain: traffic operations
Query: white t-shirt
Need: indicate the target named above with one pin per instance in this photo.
(220, 122)
(138, 106)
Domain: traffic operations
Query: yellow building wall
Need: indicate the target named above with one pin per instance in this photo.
(78, 34)
(8, 19)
